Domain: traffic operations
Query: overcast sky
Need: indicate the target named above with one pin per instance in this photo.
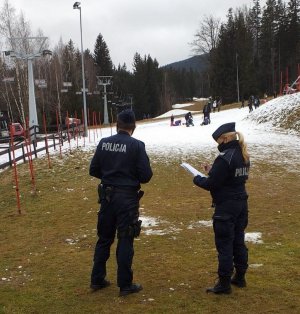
(161, 28)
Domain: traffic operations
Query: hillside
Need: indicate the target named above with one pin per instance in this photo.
(47, 252)
(282, 112)
(196, 63)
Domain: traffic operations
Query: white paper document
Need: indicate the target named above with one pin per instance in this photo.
(192, 170)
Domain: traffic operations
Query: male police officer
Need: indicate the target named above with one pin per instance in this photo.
(226, 183)
(122, 164)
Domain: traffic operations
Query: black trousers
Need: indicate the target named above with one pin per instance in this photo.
(117, 214)
(229, 222)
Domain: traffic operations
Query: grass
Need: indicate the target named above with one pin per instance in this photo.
(49, 275)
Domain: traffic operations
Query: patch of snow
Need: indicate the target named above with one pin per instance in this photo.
(199, 99)
(163, 141)
(200, 223)
(71, 241)
(254, 237)
(148, 221)
(277, 111)
(179, 106)
(154, 232)
(170, 230)
(175, 112)
(255, 265)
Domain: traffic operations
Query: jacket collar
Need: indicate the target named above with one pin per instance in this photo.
(231, 144)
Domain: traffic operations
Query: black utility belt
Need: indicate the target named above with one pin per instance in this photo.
(112, 188)
(106, 191)
(232, 198)
(239, 197)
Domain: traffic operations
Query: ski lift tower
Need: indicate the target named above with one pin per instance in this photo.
(104, 81)
(29, 48)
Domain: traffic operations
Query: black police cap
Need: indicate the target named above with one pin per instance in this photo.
(224, 128)
(127, 116)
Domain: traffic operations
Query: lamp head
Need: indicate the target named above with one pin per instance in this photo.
(10, 53)
(47, 52)
(76, 5)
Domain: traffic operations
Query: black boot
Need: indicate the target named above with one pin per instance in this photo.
(239, 280)
(101, 285)
(223, 286)
(134, 288)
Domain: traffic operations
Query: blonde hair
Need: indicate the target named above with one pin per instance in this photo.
(238, 135)
(243, 146)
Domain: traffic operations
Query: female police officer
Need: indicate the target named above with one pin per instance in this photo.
(122, 164)
(226, 183)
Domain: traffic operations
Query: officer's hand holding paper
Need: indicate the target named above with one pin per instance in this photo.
(192, 170)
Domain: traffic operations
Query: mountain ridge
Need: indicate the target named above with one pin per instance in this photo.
(197, 63)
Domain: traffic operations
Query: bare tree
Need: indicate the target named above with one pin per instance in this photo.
(17, 31)
(12, 26)
(7, 19)
(206, 37)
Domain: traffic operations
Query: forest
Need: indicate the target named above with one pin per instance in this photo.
(255, 51)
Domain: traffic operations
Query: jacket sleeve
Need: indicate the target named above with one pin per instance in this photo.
(95, 167)
(216, 176)
(144, 171)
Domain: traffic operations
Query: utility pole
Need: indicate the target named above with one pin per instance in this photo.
(33, 120)
(29, 57)
(237, 78)
(104, 81)
(131, 97)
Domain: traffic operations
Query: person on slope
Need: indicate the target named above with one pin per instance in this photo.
(189, 119)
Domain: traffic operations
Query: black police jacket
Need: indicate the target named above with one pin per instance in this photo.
(121, 160)
(227, 177)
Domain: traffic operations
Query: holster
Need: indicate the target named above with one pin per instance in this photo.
(132, 231)
(140, 194)
(104, 193)
(137, 227)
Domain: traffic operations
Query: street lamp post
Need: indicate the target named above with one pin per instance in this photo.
(76, 5)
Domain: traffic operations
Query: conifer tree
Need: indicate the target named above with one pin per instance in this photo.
(281, 42)
(246, 55)
(122, 84)
(269, 31)
(293, 36)
(255, 28)
(102, 57)
(139, 91)
(223, 70)
(153, 86)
